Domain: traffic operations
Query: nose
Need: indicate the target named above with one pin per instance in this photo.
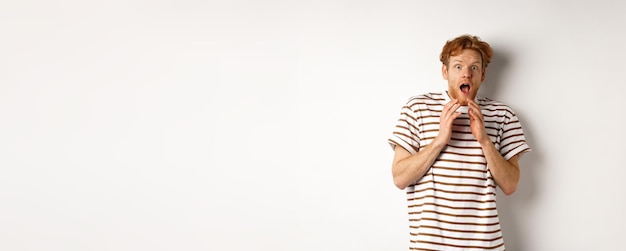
(466, 73)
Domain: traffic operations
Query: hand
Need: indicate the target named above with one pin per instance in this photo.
(446, 119)
(477, 122)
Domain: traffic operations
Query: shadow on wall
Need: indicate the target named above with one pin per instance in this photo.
(512, 208)
(495, 71)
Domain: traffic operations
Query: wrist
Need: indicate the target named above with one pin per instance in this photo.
(438, 143)
(485, 141)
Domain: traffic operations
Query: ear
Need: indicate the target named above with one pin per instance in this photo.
(444, 71)
(482, 78)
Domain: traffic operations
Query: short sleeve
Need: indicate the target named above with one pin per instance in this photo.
(406, 132)
(512, 140)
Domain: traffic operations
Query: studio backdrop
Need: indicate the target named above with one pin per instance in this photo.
(263, 125)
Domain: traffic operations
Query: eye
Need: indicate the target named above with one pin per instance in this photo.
(474, 68)
(458, 67)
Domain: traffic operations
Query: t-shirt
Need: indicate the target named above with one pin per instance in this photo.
(453, 206)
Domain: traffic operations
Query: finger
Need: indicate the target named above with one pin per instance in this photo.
(473, 104)
(475, 115)
(474, 112)
(450, 105)
(455, 115)
(449, 108)
(449, 121)
(475, 109)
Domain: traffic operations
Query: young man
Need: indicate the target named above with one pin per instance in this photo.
(452, 149)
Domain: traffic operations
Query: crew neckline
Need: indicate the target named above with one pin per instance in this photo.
(464, 108)
(447, 97)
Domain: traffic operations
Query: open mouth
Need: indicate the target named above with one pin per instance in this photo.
(465, 88)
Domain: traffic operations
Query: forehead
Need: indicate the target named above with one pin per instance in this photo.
(467, 56)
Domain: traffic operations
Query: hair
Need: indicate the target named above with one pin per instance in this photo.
(455, 46)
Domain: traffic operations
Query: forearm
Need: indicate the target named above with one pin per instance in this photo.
(505, 172)
(409, 168)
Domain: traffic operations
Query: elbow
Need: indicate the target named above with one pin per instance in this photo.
(400, 184)
(509, 189)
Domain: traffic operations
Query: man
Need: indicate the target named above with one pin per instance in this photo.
(452, 149)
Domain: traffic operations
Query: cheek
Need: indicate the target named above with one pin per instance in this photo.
(452, 75)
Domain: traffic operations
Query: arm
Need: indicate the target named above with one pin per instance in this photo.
(407, 168)
(505, 172)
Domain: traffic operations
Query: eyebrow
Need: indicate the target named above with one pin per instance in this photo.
(461, 61)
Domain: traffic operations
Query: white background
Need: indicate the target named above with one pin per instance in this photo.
(263, 125)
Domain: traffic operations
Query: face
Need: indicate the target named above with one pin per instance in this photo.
(464, 73)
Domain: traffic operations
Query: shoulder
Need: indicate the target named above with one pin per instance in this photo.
(495, 106)
(432, 98)
(490, 103)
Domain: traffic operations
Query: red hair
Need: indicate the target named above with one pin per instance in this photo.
(455, 46)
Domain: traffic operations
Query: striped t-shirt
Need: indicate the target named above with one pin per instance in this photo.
(453, 206)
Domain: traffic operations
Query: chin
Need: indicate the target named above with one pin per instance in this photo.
(463, 100)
